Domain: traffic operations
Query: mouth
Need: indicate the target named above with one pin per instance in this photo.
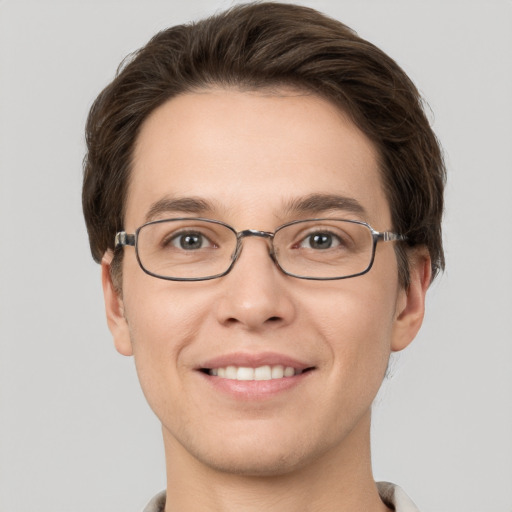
(259, 373)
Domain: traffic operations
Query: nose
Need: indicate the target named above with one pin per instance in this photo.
(256, 295)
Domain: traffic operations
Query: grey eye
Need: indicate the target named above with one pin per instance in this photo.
(189, 241)
(320, 241)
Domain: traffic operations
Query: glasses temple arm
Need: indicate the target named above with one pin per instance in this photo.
(123, 238)
(389, 236)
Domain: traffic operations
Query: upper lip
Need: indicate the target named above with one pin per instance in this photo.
(254, 360)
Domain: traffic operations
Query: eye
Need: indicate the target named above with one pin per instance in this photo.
(189, 241)
(320, 240)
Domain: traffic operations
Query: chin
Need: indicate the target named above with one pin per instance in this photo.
(255, 464)
(255, 455)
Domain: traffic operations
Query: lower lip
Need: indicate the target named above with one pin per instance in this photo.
(254, 389)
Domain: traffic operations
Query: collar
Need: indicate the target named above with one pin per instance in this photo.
(392, 495)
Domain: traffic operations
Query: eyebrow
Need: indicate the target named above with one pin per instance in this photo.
(189, 205)
(315, 204)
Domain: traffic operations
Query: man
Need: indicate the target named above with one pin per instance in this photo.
(264, 194)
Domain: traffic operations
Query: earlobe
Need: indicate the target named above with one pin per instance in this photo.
(114, 309)
(411, 302)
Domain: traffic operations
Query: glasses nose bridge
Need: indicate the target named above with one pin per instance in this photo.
(246, 233)
(254, 232)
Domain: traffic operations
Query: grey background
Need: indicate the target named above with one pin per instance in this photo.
(75, 432)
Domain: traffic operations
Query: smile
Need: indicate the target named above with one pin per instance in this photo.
(265, 372)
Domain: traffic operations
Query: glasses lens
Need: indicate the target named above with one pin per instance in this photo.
(185, 248)
(324, 249)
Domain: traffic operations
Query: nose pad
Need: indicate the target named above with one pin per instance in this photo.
(237, 251)
(253, 233)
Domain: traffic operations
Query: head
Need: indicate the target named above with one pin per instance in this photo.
(244, 118)
(270, 46)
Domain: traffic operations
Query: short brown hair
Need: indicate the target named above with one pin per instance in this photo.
(262, 45)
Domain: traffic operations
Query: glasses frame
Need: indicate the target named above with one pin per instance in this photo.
(123, 239)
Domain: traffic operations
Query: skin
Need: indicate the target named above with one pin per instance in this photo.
(306, 448)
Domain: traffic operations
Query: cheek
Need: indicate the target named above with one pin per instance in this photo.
(361, 308)
(163, 322)
(161, 314)
(356, 324)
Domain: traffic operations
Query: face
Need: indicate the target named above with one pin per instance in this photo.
(246, 158)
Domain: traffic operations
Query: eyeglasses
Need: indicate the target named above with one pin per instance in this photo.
(196, 249)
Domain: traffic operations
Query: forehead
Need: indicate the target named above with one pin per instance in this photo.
(248, 157)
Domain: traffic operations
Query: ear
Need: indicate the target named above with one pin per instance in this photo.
(114, 309)
(411, 301)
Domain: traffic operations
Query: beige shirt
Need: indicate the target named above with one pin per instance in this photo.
(392, 495)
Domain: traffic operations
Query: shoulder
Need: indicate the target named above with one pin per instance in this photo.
(394, 496)
(157, 504)
(391, 494)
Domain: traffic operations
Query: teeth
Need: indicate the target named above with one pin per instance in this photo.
(277, 372)
(260, 373)
(231, 372)
(263, 373)
(289, 372)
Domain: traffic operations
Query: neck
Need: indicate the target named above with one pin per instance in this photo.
(340, 480)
